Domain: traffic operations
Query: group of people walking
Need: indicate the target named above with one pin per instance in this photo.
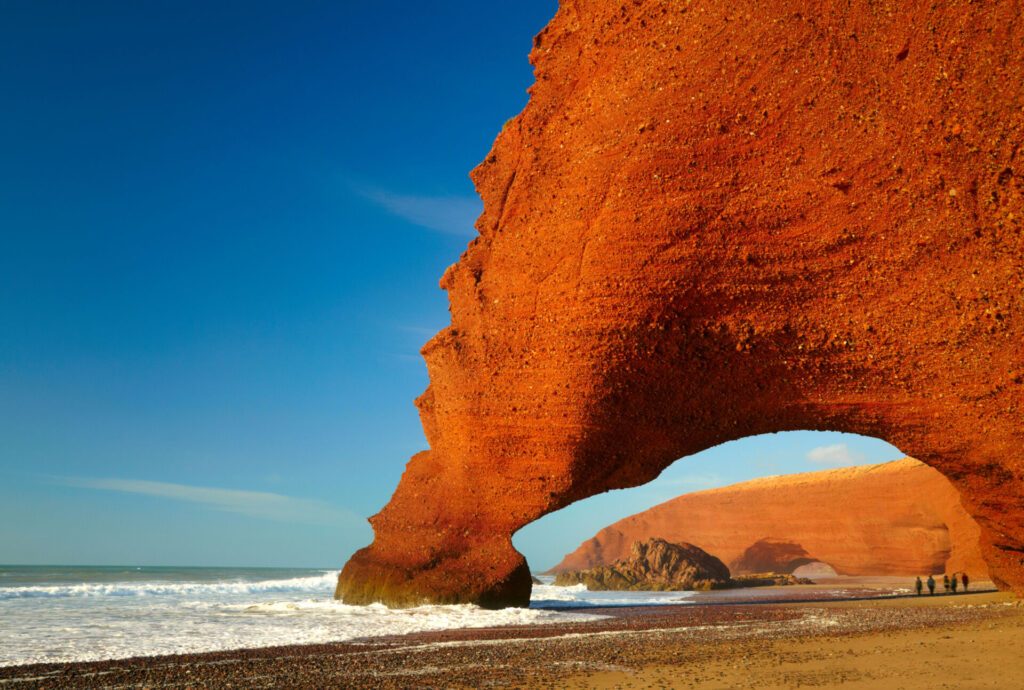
(948, 584)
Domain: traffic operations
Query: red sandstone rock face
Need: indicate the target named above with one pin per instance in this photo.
(714, 220)
(899, 518)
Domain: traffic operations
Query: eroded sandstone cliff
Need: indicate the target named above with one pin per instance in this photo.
(898, 518)
(714, 220)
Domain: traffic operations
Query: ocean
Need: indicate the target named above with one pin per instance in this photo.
(58, 613)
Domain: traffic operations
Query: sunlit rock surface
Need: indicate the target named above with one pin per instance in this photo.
(715, 220)
(653, 565)
(898, 518)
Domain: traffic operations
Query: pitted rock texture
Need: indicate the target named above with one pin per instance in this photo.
(714, 220)
(653, 565)
(897, 518)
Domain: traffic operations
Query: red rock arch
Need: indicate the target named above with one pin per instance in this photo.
(719, 220)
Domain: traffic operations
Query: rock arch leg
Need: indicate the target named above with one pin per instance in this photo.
(707, 225)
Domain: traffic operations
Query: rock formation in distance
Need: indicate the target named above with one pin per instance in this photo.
(653, 565)
(773, 556)
(716, 220)
(897, 518)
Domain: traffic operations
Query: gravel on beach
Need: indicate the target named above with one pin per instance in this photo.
(682, 637)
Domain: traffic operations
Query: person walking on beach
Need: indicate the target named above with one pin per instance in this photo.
(953, 583)
(965, 580)
(918, 586)
(931, 586)
(945, 584)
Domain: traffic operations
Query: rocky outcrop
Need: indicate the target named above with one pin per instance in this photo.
(897, 518)
(715, 220)
(653, 565)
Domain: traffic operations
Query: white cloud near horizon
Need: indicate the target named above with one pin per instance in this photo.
(835, 454)
(257, 504)
(452, 215)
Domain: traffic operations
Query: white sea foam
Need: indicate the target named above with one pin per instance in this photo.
(143, 589)
(578, 596)
(52, 614)
(159, 613)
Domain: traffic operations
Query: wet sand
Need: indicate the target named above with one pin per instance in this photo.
(782, 639)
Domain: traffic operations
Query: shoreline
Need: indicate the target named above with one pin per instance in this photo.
(658, 645)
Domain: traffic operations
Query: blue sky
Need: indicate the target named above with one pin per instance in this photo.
(222, 228)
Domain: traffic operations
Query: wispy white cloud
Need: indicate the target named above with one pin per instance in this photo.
(453, 215)
(835, 454)
(420, 331)
(413, 337)
(258, 504)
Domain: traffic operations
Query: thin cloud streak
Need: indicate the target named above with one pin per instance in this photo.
(257, 504)
(452, 215)
(421, 331)
(836, 454)
(422, 335)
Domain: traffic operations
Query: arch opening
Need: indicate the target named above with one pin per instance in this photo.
(833, 505)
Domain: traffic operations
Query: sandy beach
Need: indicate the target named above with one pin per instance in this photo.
(949, 647)
(792, 638)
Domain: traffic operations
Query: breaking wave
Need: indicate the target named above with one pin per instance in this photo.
(185, 611)
(316, 583)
